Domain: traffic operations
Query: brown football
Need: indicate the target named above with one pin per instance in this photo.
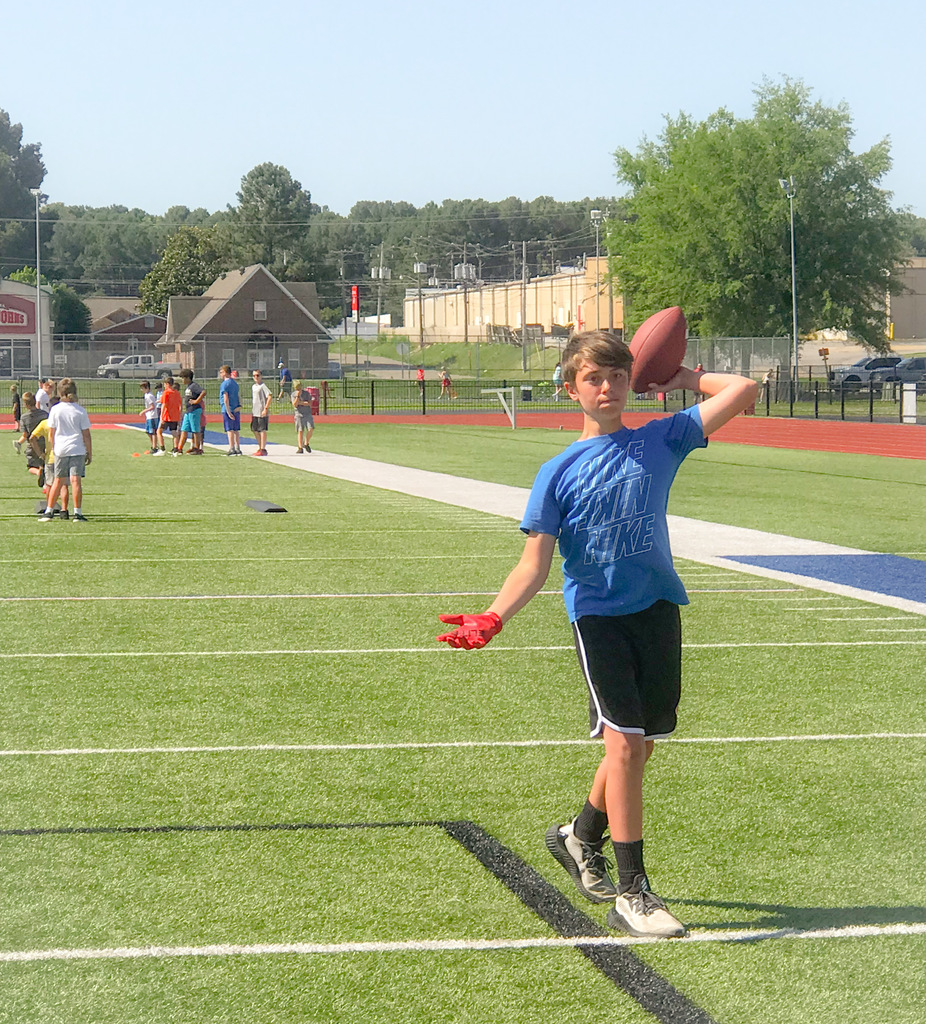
(658, 348)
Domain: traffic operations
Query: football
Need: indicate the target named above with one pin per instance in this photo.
(658, 348)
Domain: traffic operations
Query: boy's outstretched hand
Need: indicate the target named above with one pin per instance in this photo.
(473, 631)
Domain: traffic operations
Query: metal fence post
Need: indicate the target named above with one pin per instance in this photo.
(372, 396)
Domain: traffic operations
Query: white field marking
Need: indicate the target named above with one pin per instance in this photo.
(450, 945)
(865, 618)
(326, 597)
(743, 590)
(886, 629)
(342, 651)
(828, 608)
(270, 597)
(346, 748)
(289, 558)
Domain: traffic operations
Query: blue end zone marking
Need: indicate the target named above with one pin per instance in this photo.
(883, 574)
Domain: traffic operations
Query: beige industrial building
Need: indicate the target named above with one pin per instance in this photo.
(581, 297)
(907, 308)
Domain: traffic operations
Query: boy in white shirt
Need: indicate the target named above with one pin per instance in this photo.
(69, 430)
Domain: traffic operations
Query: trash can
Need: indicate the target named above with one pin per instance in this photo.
(313, 399)
(527, 394)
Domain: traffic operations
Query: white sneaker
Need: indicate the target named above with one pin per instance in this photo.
(584, 862)
(645, 915)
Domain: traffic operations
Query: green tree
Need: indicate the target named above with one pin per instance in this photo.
(69, 313)
(192, 259)
(706, 225)
(270, 224)
(21, 169)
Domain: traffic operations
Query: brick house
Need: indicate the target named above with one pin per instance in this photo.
(250, 320)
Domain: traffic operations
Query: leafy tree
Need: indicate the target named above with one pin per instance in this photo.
(21, 169)
(69, 312)
(916, 227)
(191, 261)
(706, 225)
(270, 224)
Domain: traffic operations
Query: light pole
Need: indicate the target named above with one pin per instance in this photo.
(37, 192)
(790, 190)
(597, 217)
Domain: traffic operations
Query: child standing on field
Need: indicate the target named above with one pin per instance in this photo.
(151, 416)
(604, 501)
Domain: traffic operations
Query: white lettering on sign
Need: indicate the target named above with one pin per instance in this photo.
(12, 317)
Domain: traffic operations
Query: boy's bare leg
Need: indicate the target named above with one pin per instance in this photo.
(618, 785)
(76, 490)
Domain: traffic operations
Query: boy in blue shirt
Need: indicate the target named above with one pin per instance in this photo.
(604, 500)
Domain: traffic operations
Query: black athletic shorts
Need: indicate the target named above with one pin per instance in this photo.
(633, 667)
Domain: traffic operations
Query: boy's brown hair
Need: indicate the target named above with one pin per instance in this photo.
(66, 386)
(604, 348)
(29, 400)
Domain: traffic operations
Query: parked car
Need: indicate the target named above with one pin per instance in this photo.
(854, 376)
(910, 370)
(141, 365)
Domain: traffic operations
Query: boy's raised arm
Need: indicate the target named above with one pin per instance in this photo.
(523, 582)
(728, 394)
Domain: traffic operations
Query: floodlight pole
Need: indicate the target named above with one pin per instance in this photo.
(790, 190)
(37, 192)
(597, 216)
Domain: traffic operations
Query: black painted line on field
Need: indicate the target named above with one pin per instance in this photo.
(617, 963)
(155, 829)
(653, 992)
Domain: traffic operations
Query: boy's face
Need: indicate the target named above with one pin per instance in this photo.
(258, 377)
(601, 391)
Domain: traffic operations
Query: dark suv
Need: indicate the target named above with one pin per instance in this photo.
(862, 372)
(912, 370)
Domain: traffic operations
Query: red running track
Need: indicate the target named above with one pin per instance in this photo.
(902, 441)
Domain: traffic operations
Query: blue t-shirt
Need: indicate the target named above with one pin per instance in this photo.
(605, 499)
(229, 387)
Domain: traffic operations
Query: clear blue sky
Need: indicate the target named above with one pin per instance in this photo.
(154, 104)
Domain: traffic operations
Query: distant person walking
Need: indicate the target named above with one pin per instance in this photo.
(286, 381)
(16, 403)
(557, 381)
(446, 386)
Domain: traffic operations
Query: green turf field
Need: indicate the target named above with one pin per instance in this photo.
(169, 748)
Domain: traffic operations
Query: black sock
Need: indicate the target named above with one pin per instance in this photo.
(590, 825)
(630, 871)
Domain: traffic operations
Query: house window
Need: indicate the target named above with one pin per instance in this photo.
(228, 356)
(260, 309)
(149, 321)
(293, 357)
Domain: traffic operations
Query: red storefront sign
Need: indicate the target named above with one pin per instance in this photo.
(17, 315)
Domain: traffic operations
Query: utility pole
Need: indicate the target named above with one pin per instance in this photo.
(524, 306)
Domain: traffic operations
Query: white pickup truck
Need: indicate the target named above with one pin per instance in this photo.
(141, 365)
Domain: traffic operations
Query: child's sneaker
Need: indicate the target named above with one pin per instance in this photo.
(584, 862)
(644, 914)
(79, 517)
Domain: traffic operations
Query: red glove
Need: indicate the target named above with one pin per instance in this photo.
(475, 630)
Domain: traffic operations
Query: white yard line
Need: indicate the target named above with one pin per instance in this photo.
(444, 651)
(451, 945)
(450, 745)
